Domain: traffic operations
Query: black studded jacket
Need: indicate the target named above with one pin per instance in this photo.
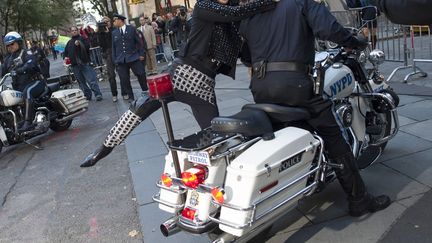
(214, 43)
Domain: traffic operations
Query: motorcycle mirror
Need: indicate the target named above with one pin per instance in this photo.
(369, 13)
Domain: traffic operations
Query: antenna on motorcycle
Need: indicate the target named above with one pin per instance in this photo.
(161, 88)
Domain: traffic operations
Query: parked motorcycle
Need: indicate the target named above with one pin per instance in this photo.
(237, 177)
(54, 109)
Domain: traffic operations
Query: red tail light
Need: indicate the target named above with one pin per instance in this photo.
(166, 180)
(160, 85)
(189, 213)
(194, 176)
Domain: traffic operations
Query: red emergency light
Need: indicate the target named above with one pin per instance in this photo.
(160, 85)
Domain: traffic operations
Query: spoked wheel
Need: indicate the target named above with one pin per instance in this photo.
(60, 126)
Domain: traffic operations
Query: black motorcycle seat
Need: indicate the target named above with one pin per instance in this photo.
(279, 113)
(248, 122)
(53, 87)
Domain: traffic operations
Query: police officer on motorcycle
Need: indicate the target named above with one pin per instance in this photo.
(281, 45)
(25, 72)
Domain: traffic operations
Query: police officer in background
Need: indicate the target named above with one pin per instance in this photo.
(281, 45)
(128, 53)
(23, 67)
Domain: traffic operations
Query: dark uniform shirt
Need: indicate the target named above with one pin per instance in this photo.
(287, 34)
(26, 73)
(126, 47)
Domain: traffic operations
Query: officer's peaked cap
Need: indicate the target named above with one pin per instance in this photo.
(119, 16)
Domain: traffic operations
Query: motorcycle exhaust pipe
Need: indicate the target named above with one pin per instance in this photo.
(66, 118)
(170, 226)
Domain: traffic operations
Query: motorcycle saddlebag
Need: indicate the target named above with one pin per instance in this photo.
(262, 170)
(70, 100)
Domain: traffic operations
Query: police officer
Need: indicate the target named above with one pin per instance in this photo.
(128, 53)
(281, 45)
(25, 73)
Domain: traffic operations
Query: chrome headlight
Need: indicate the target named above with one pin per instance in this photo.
(376, 57)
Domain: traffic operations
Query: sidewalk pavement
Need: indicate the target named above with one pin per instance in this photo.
(403, 172)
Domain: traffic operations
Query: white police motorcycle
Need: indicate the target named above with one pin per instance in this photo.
(55, 110)
(236, 178)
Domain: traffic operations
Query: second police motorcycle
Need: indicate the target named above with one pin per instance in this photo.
(55, 109)
(234, 179)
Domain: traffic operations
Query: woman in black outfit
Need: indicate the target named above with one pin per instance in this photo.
(213, 47)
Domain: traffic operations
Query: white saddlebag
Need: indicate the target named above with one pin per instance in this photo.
(261, 170)
(71, 100)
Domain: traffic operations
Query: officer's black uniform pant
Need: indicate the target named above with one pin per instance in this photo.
(296, 89)
(123, 70)
(30, 92)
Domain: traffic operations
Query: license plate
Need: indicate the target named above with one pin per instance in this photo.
(201, 158)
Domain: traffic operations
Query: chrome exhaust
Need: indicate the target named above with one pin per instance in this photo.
(68, 117)
(170, 226)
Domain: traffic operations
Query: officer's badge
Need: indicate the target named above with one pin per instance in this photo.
(29, 52)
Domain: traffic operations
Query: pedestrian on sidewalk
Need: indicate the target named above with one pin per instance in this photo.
(54, 52)
(213, 48)
(150, 39)
(128, 53)
(282, 76)
(105, 40)
(77, 50)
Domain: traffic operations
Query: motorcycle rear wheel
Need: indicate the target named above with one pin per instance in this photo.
(60, 126)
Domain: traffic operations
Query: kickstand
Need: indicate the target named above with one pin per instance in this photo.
(33, 145)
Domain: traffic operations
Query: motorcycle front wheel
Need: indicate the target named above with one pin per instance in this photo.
(60, 126)
(371, 153)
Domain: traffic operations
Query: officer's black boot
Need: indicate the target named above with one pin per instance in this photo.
(123, 127)
(28, 117)
(360, 202)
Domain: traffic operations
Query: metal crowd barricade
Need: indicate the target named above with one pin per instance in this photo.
(409, 45)
(98, 63)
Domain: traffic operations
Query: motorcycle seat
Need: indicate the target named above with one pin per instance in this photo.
(53, 87)
(279, 113)
(248, 122)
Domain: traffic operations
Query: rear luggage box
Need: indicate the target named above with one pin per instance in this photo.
(70, 100)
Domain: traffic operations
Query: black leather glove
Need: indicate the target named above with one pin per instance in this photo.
(357, 42)
(363, 42)
(20, 70)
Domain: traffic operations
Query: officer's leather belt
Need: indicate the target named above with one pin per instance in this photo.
(259, 69)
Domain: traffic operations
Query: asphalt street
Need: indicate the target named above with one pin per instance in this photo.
(46, 197)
